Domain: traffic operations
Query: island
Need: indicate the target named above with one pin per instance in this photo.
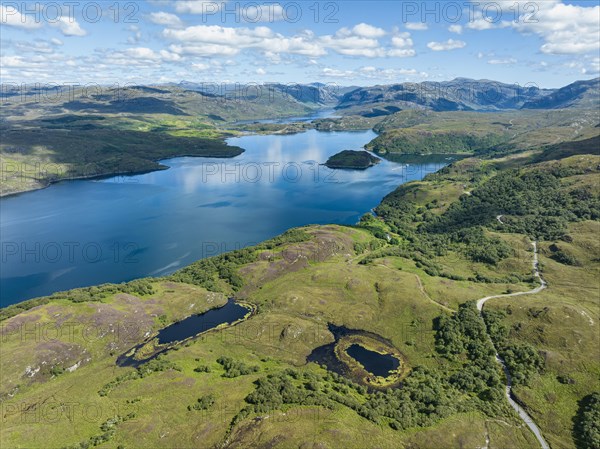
(351, 159)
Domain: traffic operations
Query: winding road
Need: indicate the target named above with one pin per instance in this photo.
(480, 303)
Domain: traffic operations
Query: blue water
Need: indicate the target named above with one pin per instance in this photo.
(195, 324)
(80, 233)
(374, 362)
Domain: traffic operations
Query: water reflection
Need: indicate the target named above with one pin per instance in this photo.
(122, 228)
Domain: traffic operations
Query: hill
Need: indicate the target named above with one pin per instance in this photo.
(406, 279)
(460, 94)
(580, 94)
(352, 160)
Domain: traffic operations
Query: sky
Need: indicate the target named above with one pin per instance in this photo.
(548, 43)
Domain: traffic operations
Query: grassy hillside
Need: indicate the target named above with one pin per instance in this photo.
(65, 135)
(408, 276)
(427, 132)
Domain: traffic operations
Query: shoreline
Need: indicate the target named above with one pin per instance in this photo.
(108, 175)
(163, 167)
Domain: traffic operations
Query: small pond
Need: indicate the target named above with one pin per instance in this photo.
(196, 324)
(383, 366)
(189, 327)
(374, 362)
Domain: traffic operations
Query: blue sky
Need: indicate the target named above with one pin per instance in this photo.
(549, 43)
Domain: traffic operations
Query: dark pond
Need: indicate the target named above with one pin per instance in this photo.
(197, 324)
(374, 362)
(325, 355)
(186, 328)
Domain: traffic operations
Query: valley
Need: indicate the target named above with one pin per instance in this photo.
(359, 329)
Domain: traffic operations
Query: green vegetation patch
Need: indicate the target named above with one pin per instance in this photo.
(350, 159)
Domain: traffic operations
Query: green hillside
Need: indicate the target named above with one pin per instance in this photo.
(408, 277)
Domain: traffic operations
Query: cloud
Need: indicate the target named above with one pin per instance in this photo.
(140, 56)
(565, 29)
(136, 37)
(19, 62)
(165, 18)
(589, 66)
(457, 29)
(261, 71)
(197, 6)
(213, 40)
(69, 26)
(36, 46)
(12, 17)
(480, 23)
(373, 73)
(417, 26)
(450, 44)
(264, 13)
(502, 61)
(402, 46)
(201, 66)
(366, 30)
(361, 40)
(351, 45)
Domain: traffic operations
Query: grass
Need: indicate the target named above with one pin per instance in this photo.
(562, 322)
(294, 305)
(298, 287)
(88, 134)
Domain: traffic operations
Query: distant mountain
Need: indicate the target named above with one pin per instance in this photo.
(583, 94)
(315, 93)
(460, 94)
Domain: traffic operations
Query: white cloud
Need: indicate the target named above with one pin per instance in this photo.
(566, 29)
(140, 56)
(203, 50)
(361, 40)
(335, 73)
(480, 24)
(213, 40)
(136, 37)
(402, 46)
(69, 26)
(55, 41)
(261, 71)
(197, 6)
(366, 30)
(458, 29)
(11, 16)
(350, 45)
(17, 61)
(502, 61)
(589, 66)
(450, 44)
(201, 66)
(37, 46)
(371, 72)
(142, 53)
(417, 26)
(263, 13)
(169, 56)
(165, 18)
